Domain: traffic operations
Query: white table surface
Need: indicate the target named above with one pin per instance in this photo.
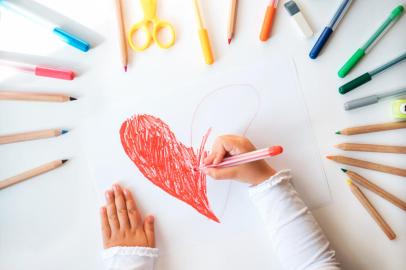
(52, 221)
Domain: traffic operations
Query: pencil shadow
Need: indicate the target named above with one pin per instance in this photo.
(71, 26)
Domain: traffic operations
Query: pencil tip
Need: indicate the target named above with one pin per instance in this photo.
(349, 181)
(125, 68)
(229, 41)
(72, 98)
(344, 170)
(338, 132)
(64, 160)
(64, 131)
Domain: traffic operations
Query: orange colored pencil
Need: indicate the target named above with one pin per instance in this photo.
(371, 210)
(376, 189)
(121, 29)
(232, 20)
(372, 128)
(268, 20)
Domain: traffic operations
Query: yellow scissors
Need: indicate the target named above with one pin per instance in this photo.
(150, 19)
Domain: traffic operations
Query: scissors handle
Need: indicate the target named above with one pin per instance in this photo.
(141, 26)
(158, 26)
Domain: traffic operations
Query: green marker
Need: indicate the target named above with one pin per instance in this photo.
(366, 77)
(361, 52)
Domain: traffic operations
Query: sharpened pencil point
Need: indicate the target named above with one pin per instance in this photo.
(229, 41)
(349, 182)
(338, 132)
(344, 170)
(64, 160)
(72, 98)
(64, 131)
(125, 68)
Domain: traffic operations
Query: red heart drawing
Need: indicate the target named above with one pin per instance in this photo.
(166, 162)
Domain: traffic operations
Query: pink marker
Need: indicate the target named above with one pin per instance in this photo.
(40, 70)
(247, 157)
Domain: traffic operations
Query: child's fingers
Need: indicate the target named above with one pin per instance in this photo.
(111, 211)
(221, 174)
(106, 231)
(149, 228)
(134, 215)
(121, 207)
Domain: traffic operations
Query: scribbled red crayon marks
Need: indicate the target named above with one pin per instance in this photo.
(165, 161)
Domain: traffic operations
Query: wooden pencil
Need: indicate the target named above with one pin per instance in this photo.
(33, 135)
(232, 20)
(372, 128)
(9, 95)
(372, 148)
(376, 189)
(31, 173)
(371, 210)
(368, 165)
(122, 35)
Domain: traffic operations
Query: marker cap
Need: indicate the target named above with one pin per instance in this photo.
(206, 47)
(366, 77)
(71, 39)
(54, 73)
(355, 58)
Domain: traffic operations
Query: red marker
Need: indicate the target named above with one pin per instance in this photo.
(40, 70)
(247, 157)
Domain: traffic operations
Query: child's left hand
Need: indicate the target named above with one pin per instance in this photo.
(122, 224)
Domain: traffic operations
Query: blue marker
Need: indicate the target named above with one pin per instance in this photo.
(328, 30)
(58, 31)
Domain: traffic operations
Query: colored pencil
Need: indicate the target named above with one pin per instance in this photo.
(268, 20)
(376, 189)
(371, 210)
(232, 20)
(372, 99)
(8, 95)
(31, 173)
(203, 35)
(247, 157)
(122, 35)
(368, 165)
(33, 135)
(372, 128)
(372, 148)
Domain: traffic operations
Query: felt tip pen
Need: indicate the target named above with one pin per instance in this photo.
(268, 20)
(41, 71)
(361, 52)
(329, 29)
(369, 100)
(366, 77)
(55, 29)
(246, 157)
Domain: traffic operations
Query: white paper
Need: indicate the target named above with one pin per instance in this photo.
(262, 101)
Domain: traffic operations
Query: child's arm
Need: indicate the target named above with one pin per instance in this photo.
(297, 238)
(128, 240)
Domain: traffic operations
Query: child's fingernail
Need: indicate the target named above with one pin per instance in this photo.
(151, 219)
(115, 187)
(126, 192)
(102, 209)
(108, 195)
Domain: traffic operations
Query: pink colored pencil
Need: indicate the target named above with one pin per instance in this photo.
(247, 157)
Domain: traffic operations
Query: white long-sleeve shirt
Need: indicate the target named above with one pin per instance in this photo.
(297, 239)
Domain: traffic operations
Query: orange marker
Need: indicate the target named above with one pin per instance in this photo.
(268, 20)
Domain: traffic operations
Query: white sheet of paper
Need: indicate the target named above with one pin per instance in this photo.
(263, 102)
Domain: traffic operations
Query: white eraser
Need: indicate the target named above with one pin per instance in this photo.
(300, 20)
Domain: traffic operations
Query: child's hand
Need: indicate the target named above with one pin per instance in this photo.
(122, 224)
(230, 145)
